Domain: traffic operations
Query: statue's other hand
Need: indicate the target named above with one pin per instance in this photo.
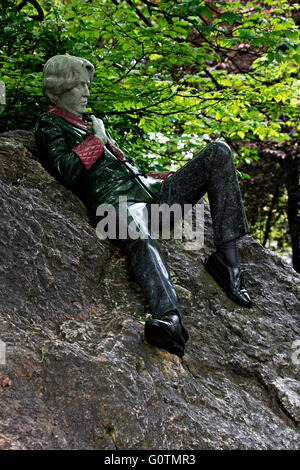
(99, 129)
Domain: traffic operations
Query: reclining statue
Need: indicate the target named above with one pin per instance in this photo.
(82, 156)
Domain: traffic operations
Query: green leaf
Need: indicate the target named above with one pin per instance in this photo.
(231, 17)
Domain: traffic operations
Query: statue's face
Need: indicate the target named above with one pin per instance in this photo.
(75, 100)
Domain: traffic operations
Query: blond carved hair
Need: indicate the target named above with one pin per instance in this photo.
(62, 72)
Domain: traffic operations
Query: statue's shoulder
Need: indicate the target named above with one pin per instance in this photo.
(48, 117)
(47, 121)
(48, 125)
(44, 121)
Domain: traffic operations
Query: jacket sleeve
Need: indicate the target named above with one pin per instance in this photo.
(59, 159)
(114, 149)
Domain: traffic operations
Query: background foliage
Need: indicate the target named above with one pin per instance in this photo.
(170, 77)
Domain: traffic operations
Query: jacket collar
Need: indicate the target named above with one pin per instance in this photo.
(69, 117)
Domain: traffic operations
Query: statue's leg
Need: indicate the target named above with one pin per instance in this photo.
(213, 171)
(148, 264)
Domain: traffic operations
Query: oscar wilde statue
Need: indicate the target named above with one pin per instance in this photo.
(83, 157)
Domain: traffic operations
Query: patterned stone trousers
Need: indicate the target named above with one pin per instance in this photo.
(211, 171)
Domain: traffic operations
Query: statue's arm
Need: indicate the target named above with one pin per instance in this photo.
(64, 163)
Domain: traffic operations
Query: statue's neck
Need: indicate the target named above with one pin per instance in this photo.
(68, 116)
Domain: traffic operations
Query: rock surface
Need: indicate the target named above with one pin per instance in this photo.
(79, 373)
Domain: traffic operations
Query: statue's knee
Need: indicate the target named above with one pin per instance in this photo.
(222, 152)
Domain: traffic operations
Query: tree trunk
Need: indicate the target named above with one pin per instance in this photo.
(270, 214)
(291, 167)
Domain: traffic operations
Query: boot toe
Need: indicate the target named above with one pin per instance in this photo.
(167, 333)
(230, 279)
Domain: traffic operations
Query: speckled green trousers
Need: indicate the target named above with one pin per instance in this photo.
(211, 171)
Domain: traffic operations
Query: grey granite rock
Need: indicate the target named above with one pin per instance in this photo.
(79, 373)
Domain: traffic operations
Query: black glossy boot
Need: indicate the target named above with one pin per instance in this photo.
(230, 278)
(167, 333)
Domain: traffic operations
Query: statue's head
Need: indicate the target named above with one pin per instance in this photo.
(66, 81)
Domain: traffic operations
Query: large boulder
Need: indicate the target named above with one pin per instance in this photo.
(79, 373)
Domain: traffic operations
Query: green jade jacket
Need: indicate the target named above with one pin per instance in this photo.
(97, 174)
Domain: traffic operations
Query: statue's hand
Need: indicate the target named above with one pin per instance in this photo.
(98, 129)
(90, 128)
